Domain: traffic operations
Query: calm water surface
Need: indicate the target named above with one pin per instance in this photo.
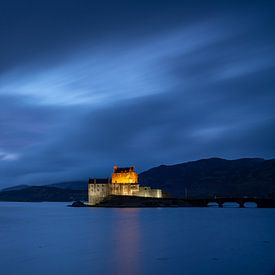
(50, 238)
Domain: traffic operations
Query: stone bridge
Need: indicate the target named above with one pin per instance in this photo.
(261, 202)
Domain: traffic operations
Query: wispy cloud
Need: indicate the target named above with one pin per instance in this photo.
(196, 89)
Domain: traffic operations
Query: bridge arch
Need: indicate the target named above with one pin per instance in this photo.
(250, 204)
(212, 204)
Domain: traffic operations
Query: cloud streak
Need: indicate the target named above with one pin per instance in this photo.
(198, 88)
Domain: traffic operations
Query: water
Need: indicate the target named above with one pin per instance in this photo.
(50, 238)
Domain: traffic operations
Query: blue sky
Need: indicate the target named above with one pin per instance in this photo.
(85, 85)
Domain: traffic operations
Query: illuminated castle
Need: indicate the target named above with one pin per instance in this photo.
(124, 182)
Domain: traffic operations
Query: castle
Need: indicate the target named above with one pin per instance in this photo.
(124, 182)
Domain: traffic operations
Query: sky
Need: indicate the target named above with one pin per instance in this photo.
(88, 84)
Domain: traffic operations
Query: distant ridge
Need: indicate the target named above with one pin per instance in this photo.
(43, 193)
(252, 177)
(73, 185)
(16, 187)
(215, 177)
(62, 191)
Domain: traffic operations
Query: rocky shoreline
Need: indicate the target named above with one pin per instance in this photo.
(140, 202)
(136, 202)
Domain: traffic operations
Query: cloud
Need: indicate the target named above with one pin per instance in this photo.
(198, 88)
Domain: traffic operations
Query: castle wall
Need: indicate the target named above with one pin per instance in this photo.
(97, 192)
(146, 191)
(123, 189)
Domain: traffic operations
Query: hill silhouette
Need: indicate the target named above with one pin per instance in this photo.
(251, 177)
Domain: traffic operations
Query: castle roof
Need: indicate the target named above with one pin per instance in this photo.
(123, 169)
(99, 180)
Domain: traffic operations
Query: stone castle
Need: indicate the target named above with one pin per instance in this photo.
(124, 182)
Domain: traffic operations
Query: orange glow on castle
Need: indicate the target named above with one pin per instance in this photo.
(124, 175)
(124, 182)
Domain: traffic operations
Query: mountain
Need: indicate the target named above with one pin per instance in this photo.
(43, 193)
(214, 177)
(61, 191)
(74, 185)
(16, 187)
(197, 179)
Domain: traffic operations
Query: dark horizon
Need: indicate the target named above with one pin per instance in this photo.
(109, 173)
(85, 85)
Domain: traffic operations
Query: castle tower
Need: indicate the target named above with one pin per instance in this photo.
(124, 181)
(125, 175)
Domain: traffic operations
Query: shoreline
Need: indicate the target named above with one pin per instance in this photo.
(146, 202)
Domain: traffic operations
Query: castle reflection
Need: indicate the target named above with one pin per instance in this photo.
(127, 241)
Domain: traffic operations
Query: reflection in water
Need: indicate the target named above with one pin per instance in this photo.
(50, 238)
(127, 241)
